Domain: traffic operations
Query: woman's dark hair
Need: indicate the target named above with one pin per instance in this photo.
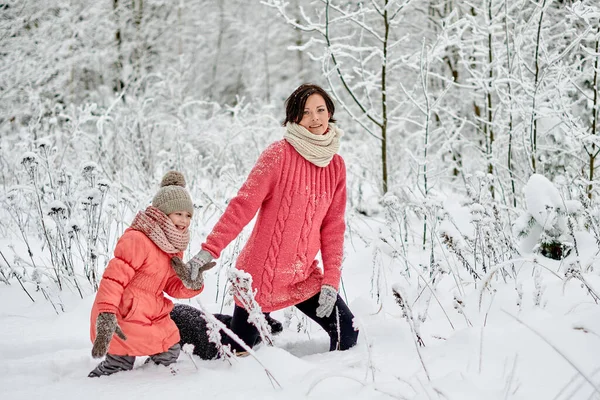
(294, 105)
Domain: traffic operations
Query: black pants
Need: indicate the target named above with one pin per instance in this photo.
(341, 337)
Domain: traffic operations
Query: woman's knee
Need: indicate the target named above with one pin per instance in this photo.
(342, 332)
(350, 339)
(243, 329)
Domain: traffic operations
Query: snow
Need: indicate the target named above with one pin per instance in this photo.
(91, 197)
(543, 199)
(547, 216)
(87, 126)
(499, 346)
(524, 331)
(57, 206)
(29, 158)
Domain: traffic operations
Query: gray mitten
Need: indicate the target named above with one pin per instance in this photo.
(198, 262)
(184, 273)
(106, 327)
(327, 300)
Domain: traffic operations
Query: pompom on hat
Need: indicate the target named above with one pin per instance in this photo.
(172, 196)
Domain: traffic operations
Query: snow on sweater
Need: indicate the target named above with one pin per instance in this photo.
(301, 210)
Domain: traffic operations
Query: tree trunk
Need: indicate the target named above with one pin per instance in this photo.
(211, 89)
(490, 127)
(594, 152)
(266, 61)
(138, 51)
(298, 42)
(533, 126)
(119, 62)
(384, 101)
(510, 102)
(382, 125)
(426, 143)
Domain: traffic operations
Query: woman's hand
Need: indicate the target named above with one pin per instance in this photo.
(198, 263)
(327, 300)
(106, 327)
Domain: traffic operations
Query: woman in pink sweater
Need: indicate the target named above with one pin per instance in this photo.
(298, 188)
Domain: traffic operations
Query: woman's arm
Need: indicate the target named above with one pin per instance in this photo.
(332, 232)
(244, 206)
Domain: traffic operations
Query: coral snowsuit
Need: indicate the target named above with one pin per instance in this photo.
(302, 210)
(132, 288)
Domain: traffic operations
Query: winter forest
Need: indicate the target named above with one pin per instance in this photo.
(472, 139)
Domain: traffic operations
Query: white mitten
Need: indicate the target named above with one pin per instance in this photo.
(327, 300)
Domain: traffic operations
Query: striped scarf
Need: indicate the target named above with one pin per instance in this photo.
(318, 149)
(161, 230)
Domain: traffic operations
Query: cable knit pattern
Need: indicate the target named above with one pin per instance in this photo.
(302, 209)
(276, 239)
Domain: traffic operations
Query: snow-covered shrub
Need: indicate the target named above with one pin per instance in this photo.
(475, 229)
(241, 287)
(546, 226)
(72, 190)
(57, 204)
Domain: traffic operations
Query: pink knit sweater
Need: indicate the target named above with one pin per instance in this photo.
(301, 210)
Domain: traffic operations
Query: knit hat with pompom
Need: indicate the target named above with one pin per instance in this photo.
(172, 195)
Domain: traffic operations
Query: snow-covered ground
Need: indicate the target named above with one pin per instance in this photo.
(502, 345)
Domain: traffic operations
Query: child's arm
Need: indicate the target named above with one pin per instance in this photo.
(177, 290)
(179, 284)
(130, 254)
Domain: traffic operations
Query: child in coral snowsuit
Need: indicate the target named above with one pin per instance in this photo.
(130, 303)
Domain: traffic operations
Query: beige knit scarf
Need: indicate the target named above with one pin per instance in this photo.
(161, 230)
(318, 149)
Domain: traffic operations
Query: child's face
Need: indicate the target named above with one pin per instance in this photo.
(181, 219)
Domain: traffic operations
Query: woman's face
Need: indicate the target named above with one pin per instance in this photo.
(316, 116)
(181, 219)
